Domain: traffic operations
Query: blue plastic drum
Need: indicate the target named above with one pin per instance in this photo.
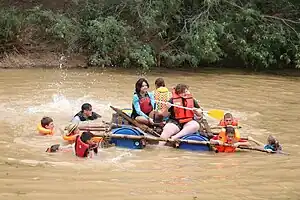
(194, 147)
(128, 143)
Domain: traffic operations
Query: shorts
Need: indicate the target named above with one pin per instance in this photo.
(179, 125)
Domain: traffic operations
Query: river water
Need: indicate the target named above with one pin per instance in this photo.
(264, 105)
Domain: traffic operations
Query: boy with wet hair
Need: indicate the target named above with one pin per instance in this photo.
(46, 127)
(86, 114)
(228, 120)
(47, 123)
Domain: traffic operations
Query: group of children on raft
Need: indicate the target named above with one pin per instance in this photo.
(179, 107)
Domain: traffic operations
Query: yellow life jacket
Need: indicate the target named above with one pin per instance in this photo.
(161, 94)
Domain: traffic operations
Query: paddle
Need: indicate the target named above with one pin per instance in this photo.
(218, 127)
(143, 127)
(262, 150)
(139, 137)
(214, 113)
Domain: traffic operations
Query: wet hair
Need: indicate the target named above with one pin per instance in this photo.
(274, 142)
(139, 83)
(86, 106)
(85, 136)
(180, 88)
(160, 82)
(45, 121)
(228, 115)
(229, 130)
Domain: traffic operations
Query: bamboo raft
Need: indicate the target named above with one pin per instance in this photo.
(128, 133)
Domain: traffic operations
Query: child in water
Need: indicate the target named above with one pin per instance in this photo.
(46, 127)
(272, 144)
(71, 132)
(85, 146)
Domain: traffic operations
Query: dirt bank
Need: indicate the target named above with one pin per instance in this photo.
(42, 59)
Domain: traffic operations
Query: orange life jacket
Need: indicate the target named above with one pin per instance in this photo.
(222, 137)
(181, 114)
(233, 123)
(44, 131)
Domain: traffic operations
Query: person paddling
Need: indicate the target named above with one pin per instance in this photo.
(181, 121)
(86, 114)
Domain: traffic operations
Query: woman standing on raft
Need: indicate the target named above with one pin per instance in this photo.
(143, 103)
(181, 121)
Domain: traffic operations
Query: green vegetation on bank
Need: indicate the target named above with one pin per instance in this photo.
(255, 34)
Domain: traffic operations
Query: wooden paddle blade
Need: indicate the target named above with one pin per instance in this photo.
(215, 113)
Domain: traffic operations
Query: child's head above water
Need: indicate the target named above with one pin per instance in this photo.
(47, 123)
(274, 143)
(230, 133)
(72, 129)
(228, 118)
(86, 137)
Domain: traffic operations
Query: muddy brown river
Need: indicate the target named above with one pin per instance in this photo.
(264, 105)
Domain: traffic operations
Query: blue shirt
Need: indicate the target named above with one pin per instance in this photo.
(272, 147)
(136, 104)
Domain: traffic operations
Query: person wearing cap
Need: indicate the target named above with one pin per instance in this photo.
(85, 146)
(85, 114)
(71, 132)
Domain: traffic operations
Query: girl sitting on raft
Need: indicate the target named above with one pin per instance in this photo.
(161, 93)
(181, 121)
(143, 103)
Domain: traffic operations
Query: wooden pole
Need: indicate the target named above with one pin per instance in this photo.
(143, 127)
(219, 127)
(139, 137)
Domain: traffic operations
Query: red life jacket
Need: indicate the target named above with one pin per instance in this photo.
(145, 104)
(233, 123)
(181, 114)
(81, 148)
